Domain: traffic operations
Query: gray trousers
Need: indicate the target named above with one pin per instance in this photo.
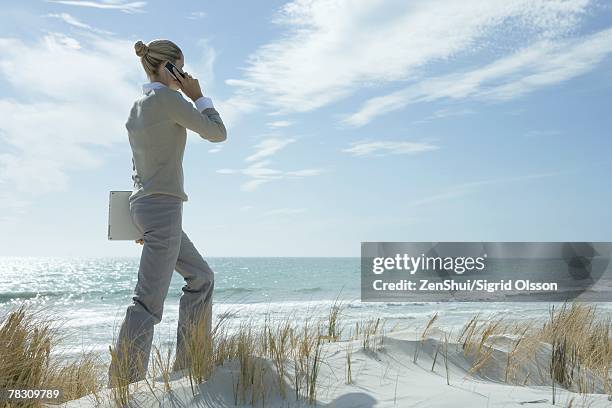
(166, 248)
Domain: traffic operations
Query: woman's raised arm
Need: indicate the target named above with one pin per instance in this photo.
(207, 124)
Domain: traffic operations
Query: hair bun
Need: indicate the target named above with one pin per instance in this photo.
(141, 48)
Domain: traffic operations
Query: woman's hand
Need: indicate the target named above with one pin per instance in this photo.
(189, 85)
(140, 241)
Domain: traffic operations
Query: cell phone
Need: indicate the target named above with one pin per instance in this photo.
(169, 67)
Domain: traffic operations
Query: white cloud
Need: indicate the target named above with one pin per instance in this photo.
(445, 113)
(205, 62)
(260, 171)
(124, 6)
(56, 115)
(259, 174)
(463, 189)
(268, 147)
(542, 132)
(11, 202)
(333, 48)
(280, 124)
(69, 19)
(543, 63)
(383, 148)
(235, 107)
(195, 15)
(11, 205)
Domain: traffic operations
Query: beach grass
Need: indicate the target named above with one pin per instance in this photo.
(576, 337)
(30, 358)
(283, 357)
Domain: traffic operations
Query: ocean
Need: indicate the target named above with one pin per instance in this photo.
(90, 296)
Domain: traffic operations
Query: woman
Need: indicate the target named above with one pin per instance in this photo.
(157, 133)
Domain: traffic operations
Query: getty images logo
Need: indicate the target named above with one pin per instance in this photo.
(413, 264)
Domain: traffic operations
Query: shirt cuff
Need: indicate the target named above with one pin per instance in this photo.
(203, 103)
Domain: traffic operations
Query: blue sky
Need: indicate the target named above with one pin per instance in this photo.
(347, 122)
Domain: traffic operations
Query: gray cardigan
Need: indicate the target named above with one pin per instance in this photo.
(157, 132)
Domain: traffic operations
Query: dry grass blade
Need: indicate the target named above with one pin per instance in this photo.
(29, 341)
(334, 330)
(419, 345)
(199, 350)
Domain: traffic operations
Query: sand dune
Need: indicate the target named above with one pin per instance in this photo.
(385, 375)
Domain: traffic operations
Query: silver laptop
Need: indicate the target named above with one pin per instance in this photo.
(120, 224)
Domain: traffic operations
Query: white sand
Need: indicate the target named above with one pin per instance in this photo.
(384, 378)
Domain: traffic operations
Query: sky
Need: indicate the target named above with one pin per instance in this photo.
(376, 120)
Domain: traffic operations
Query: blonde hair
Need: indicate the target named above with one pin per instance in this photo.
(152, 54)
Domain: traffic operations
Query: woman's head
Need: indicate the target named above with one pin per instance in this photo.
(153, 57)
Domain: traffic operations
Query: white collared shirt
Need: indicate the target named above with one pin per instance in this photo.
(201, 103)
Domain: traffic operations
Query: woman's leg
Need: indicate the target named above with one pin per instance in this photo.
(160, 218)
(196, 300)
